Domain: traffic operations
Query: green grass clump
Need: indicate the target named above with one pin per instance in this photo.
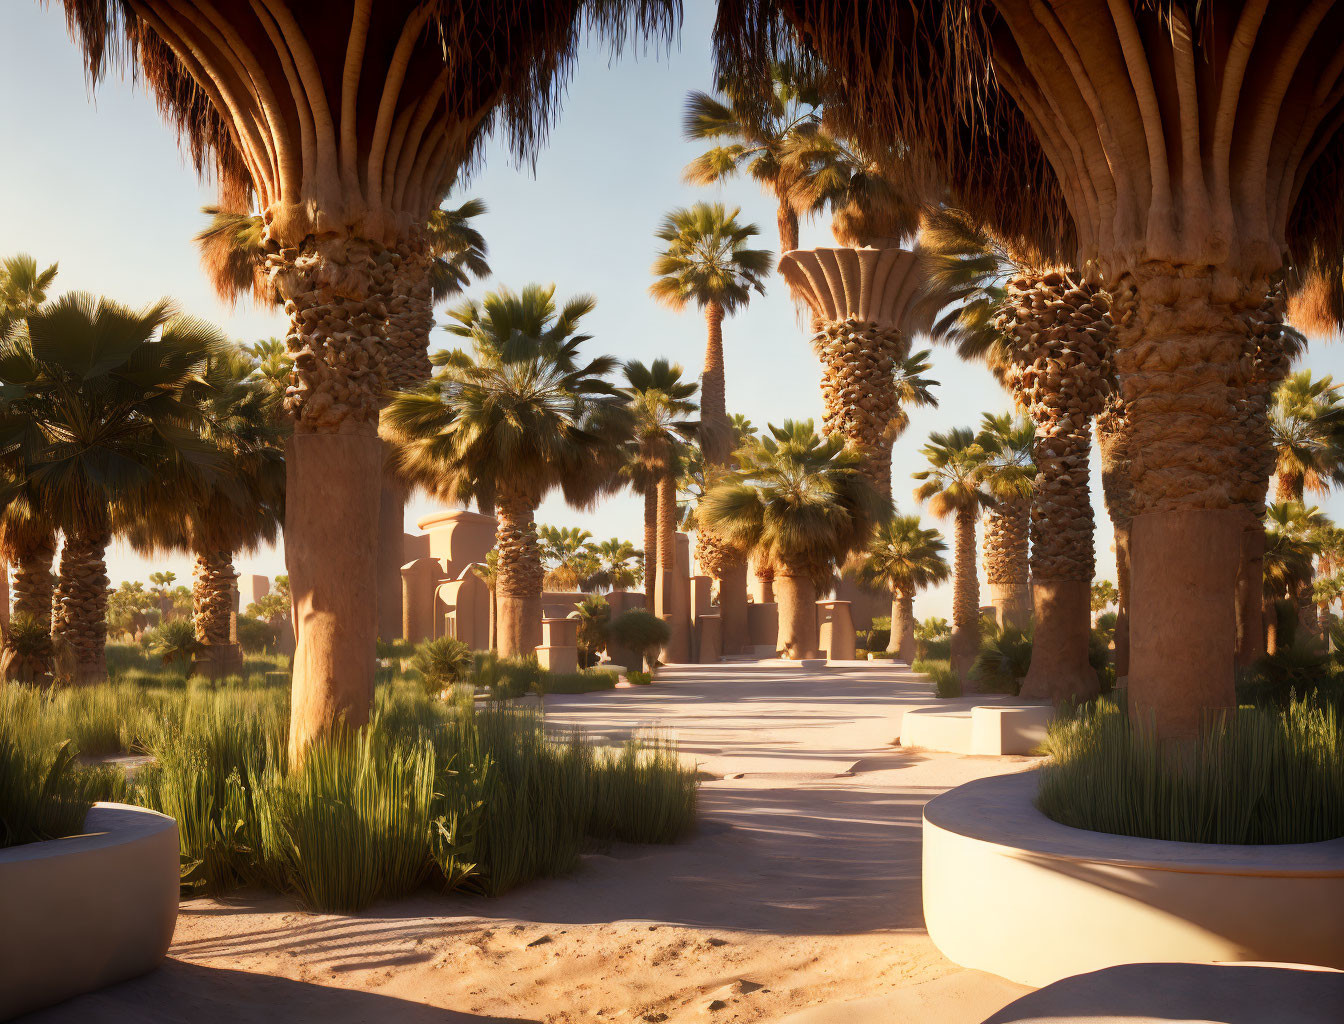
(434, 791)
(945, 681)
(1256, 776)
(639, 678)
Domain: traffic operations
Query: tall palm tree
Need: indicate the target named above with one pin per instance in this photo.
(660, 403)
(104, 399)
(804, 503)
(757, 138)
(953, 486)
(233, 508)
(521, 417)
(905, 558)
(1009, 472)
(707, 261)
(1292, 540)
(23, 287)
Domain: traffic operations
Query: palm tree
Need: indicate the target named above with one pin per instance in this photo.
(28, 541)
(1292, 533)
(233, 508)
(569, 555)
(1009, 471)
(708, 262)
(520, 418)
(758, 138)
(23, 287)
(105, 399)
(905, 558)
(619, 564)
(804, 503)
(1306, 424)
(659, 402)
(953, 486)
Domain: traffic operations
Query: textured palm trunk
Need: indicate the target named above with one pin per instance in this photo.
(1118, 492)
(79, 604)
(713, 402)
(519, 583)
(965, 596)
(1062, 374)
(764, 573)
(1006, 549)
(334, 291)
(214, 582)
(858, 388)
(31, 586)
(796, 597)
(902, 640)
(651, 546)
(786, 220)
(668, 605)
(1180, 349)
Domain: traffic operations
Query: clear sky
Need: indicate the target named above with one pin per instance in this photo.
(98, 183)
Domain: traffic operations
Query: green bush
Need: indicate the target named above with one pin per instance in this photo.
(505, 678)
(1003, 660)
(639, 678)
(1258, 776)
(642, 632)
(256, 634)
(945, 681)
(442, 662)
(44, 793)
(594, 622)
(174, 643)
(585, 681)
(880, 634)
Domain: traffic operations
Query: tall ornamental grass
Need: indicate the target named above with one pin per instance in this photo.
(1259, 776)
(432, 791)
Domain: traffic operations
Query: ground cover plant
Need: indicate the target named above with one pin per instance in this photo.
(441, 792)
(945, 681)
(1261, 775)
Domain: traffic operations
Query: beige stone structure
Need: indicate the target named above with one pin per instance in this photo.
(88, 910)
(436, 578)
(986, 846)
(835, 630)
(559, 648)
(672, 603)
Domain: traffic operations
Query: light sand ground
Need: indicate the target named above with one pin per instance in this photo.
(800, 888)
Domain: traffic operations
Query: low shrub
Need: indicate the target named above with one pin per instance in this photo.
(1258, 776)
(256, 634)
(639, 678)
(174, 643)
(880, 634)
(642, 632)
(584, 681)
(882, 655)
(44, 792)
(945, 681)
(505, 678)
(1005, 656)
(442, 662)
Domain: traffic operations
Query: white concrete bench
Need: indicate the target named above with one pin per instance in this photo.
(992, 729)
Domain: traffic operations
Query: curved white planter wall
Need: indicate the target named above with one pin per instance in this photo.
(1009, 891)
(89, 910)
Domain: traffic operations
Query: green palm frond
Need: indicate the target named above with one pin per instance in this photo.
(707, 259)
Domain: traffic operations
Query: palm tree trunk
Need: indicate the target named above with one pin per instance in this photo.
(713, 403)
(786, 220)
(765, 579)
(1062, 374)
(902, 641)
(79, 605)
(796, 597)
(519, 583)
(213, 582)
(965, 595)
(31, 586)
(858, 390)
(336, 290)
(668, 605)
(651, 546)
(1007, 567)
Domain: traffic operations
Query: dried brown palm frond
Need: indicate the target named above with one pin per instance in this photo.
(233, 251)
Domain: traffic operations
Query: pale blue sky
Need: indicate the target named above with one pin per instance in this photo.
(99, 183)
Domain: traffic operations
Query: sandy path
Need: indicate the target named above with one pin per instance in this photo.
(802, 887)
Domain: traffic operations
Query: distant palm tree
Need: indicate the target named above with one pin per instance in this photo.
(109, 397)
(953, 485)
(804, 503)
(1292, 533)
(1008, 475)
(520, 417)
(660, 404)
(23, 287)
(707, 262)
(568, 552)
(903, 557)
(619, 562)
(757, 140)
(1306, 424)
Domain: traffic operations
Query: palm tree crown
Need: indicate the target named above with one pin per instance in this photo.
(954, 481)
(1306, 426)
(707, 260)
(798, 500)
(1007, 443)
(904, 557)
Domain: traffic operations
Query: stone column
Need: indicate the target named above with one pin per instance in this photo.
(835, 635)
